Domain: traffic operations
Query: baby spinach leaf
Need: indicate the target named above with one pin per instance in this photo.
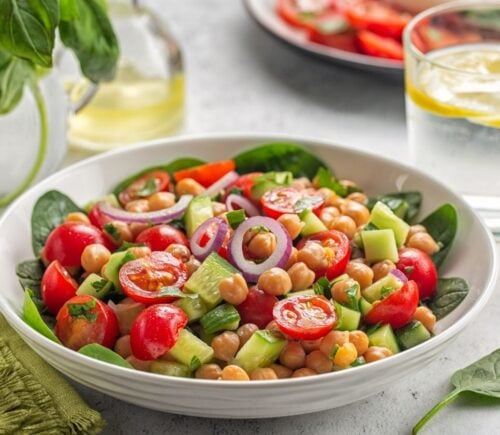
(449, 294)
(442, 225)
(325, 179)
(30, 273)
(102, 353)
(32, 317)
(279, 157)
(406, 205)
(48, 212)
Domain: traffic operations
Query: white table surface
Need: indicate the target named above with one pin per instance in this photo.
(240, 79)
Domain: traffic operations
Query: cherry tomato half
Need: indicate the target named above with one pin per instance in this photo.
(305, 317)
(338, 250)
(155, 331)
(97, 218)
(397, 309)
(419, 267)
(257, 308)
(206, 174)
(281, 200)
(140, 188)
(57, 287)
(308, 19)
(142, 279)
(379, 46)
(83, 320)
(160, 237)
(245, 184)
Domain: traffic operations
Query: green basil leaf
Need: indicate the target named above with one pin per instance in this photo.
(111, 230)
(68, 10)
(148, 189)
(32, 317)
(102, 353)
(322, 287)
(449, 294)
(30, 273)
(83, 310)
(195, 363)
(405, 205)
(352, 295)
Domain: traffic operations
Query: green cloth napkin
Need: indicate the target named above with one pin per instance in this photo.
(34, 399)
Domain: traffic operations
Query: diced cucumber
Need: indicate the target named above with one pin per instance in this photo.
(348, 320)
(379, 245)
(222, 318)
(194, 307)
(358, 362)
(112, 267)
(312, 223)
(205, 281)
(384, 218)
(110, 199)
(307, 292)
(198, 211)
(170, 368)
(381, 288)
(412, 334)
(95, 285)
(262, 349)
(190, 350)
(384, 337)
(268, 181)
(206, 338)
(364, 306)
(339, 278)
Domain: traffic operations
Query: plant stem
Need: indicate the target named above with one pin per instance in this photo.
(446, 401)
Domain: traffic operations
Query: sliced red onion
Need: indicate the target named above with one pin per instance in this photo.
(399, 275)
(215, 242)
(154, 217)
(221, 183)
(241, 203)
(251, 270)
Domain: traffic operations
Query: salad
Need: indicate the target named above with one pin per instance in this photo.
(264, 266)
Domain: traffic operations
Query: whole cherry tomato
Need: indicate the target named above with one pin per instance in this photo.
(57, 287)
(160, 237)
(419, 267)
(257, 308)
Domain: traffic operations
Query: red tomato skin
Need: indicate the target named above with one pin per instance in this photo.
(245, 184)
(97, 218)
(281, 200)
(419, 267)
(162, 181)
(67, 241)
(397, 309)
(155, 331)
(77, 332)
(57, 287)
(206, 174)
(379, 46)
(257, 308)
(160, 237)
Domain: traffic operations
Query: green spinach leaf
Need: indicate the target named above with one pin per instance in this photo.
(32, 317)
(449, 294)
(48, 212)
(406, 205)
(102, 353)
(30, 273)
(326, 179)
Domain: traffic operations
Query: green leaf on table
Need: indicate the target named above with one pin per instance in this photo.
(102, 353)
(449, 294)
(405, 205)
(30, 273)
(33, 318)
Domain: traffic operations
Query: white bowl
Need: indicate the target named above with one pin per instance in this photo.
(472, 257)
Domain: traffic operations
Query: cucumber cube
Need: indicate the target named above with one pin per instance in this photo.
(384, 337)
(384, 218)
(312, 223)
(380, 245)
(412, 334)
(381, 288)
(170, 368)
(94, 285)
(194, 307)
(190, 350)
(198, 211)
(348, 320)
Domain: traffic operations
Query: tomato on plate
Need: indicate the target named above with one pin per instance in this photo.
(160, 237)
(338, 249)
(281, 200)
(397, 309)
(345, 41)
(57, 287)
(151, 182)
(206, 174)
(67, 241)
(143, 279)
(245, 184)
(379, 46)
(419, 267)
(83, 320)
(307, 19)
(305, 317)
(155, 331)
(257, 308)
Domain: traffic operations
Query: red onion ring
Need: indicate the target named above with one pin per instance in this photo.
(399, 275)
(221, 183)
(241, 203)
(215, 242)
(154, 217)
(251, 270)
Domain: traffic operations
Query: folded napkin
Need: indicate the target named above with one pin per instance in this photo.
(34, 399)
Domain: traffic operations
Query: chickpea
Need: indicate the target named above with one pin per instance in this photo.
(414, 229)
(234, 373)
(122, 346)
(234, 289)
(293, 356)
(360, 341)
(301, 276)
(225, 345)
(345, 355)
(292, 223)
(292, 259)
(319, 362)
(341, 288)
(424, 242)
(263, 374)
(94, 257)
(311, 345)
(179, 251)
(188, 186)
(426, 317)
(246, 331)
(192, 265)
(208, 371)
(161, 200)
(313, 255)
(137, 206)
(273, 326)
(119, 232)
(332, 339)
(137, 228)
(140, 251)
(381, 269)
(346, 225)
(328, 215)
(218, 208)
(360, 272)
(357, 211)
(261, 245)
(282, 372)
(332, 200)
(303, 372)
(275, 282)
(358, 197)
(301, 183)
(77, 217)
(138, 364)
(374, 353)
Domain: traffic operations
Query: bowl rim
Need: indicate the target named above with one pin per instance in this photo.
(254, 137)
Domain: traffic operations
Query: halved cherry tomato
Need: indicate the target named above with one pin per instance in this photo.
(134, 191)
(305, 317)
(397, 309)
(57, 287)
(419, 267)
(206, 174)
(281, 200)
(143, 279)
(379, 46)
(160, 237)
(257, 308)
(245, 184)
(345, 41)
(155, 331)
(83, 320)
(308, 19)
(338, 250)
(97, 218)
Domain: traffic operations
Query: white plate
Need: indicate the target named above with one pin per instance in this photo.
(472, 257)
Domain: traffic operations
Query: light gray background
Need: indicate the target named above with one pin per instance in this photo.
(241, 79)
